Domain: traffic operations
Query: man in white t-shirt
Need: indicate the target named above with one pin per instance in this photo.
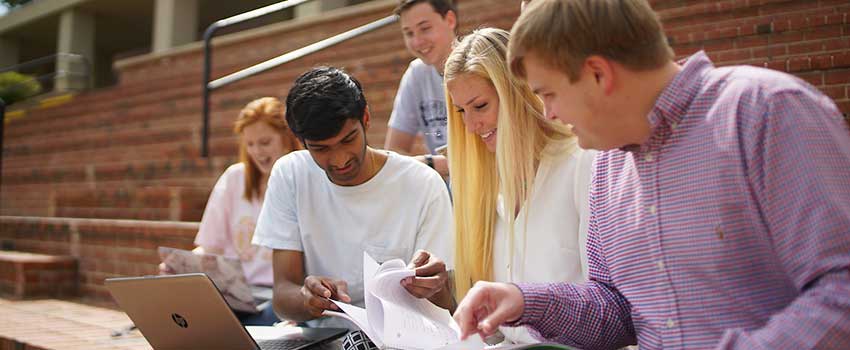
(428, 27)
(327, 205)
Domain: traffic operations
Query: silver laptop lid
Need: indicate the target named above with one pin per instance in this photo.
(180, 312)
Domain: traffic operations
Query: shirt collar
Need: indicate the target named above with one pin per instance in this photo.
(676, 98)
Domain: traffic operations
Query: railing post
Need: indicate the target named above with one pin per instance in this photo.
(2, 127)
(208, 34)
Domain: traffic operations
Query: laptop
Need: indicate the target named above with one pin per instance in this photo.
(188, 312)
(225, 272)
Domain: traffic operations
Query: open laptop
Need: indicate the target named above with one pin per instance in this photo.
(225, 272)
(188, 312)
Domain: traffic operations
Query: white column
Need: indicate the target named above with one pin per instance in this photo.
(175, 23)
(76, 36)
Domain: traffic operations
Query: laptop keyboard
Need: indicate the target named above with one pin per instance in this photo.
(284, 344)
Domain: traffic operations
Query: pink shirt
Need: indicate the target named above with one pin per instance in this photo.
(228, 224)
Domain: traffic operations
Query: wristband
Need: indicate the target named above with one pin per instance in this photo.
(429, 160)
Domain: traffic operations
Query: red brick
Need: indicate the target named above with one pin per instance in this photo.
(831, 31)
(806, 47)
(731, 55)
(837, 77)
(722, 33)
(822, 62)
(786, 37)
(751, 41)
(815, 78)
(798, 22)
(841, 60)
(780, 25)
(717, 45)
(780, 65)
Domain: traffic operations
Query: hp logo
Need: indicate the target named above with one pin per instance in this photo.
(180, 321)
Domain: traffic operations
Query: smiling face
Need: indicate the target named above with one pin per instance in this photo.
(342, 156)
(263, 144)
(477, 101)
(427, 34)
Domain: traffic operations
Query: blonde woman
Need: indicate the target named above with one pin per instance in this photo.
(520, 184)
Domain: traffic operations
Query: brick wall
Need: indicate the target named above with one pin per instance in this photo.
(131, 151)
(810, 39)
(103, 248)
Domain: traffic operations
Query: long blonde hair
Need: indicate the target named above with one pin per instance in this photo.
(270, 111)
(522, 136)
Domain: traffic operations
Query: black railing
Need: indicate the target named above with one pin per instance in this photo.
(209, 86)
(2, 126)
(208, 35)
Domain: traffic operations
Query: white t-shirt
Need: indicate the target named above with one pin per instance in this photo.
(228, 224)
(556, 231)
(404, 207)
(420, 105)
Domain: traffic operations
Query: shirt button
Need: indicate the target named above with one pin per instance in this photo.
(648, 157)
(652, 209)
(673, 126)
(671, 323)
(660, 265)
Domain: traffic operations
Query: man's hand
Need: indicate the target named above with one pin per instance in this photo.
(318, 292)
(487, 306)
(430, 275)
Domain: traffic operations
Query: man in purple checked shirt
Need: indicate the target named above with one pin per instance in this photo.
(720, 205)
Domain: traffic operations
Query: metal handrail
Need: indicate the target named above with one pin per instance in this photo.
(209, 86)
(304, 51)
(208, 35)
(2, 125)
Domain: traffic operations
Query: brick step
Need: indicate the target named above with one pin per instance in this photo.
(85, 174)
(25, 191)
(218, 146)
(84, 139)
(113, 120)
(181, 74)
(29, 275)
(155, 214)
(225, 106)
(143, 203)
(174, 87)
(86, 114)
(104, 248)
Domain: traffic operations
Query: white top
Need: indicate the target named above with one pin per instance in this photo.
(228, 224)
(420, 105)
(404, 207)
(556, 229)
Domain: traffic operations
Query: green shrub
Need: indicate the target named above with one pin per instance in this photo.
(16, 87)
